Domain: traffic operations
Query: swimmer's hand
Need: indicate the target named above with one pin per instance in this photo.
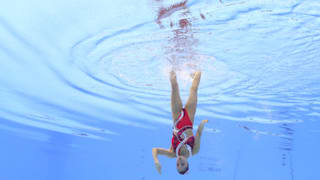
(158, 166)
(205, 121)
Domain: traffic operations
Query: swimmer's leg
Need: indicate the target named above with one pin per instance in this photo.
(176, 103)
(191, 104)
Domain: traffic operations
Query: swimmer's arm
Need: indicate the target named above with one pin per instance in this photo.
(156, 151)
(161, 151)
(196, 147)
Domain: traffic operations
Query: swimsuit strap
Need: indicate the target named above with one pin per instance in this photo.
(182, 143)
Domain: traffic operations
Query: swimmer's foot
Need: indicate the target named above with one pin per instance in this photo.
(173, 78)
(196, 80)
(196, 74)
(173, 75)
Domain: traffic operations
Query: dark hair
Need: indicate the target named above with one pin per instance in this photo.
(186, 170)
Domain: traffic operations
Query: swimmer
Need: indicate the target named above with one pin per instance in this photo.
(183, 142)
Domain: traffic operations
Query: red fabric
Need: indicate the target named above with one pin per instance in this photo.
(182, 125)
(185, 121)
(175, 142)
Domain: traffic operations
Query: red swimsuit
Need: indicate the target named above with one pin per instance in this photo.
(182, 124)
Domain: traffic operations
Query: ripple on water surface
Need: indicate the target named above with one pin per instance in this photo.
(256, 68)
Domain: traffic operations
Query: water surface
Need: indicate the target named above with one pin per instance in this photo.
(85, 93)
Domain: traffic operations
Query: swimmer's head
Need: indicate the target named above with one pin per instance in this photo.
(182, 164)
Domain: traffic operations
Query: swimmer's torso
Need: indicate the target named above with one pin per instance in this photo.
(187, 133)
(184, 151)
(183, 137)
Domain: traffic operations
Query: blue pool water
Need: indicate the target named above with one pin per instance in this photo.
(85, 93)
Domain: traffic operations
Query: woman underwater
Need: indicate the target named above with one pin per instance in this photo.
(183, 142)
